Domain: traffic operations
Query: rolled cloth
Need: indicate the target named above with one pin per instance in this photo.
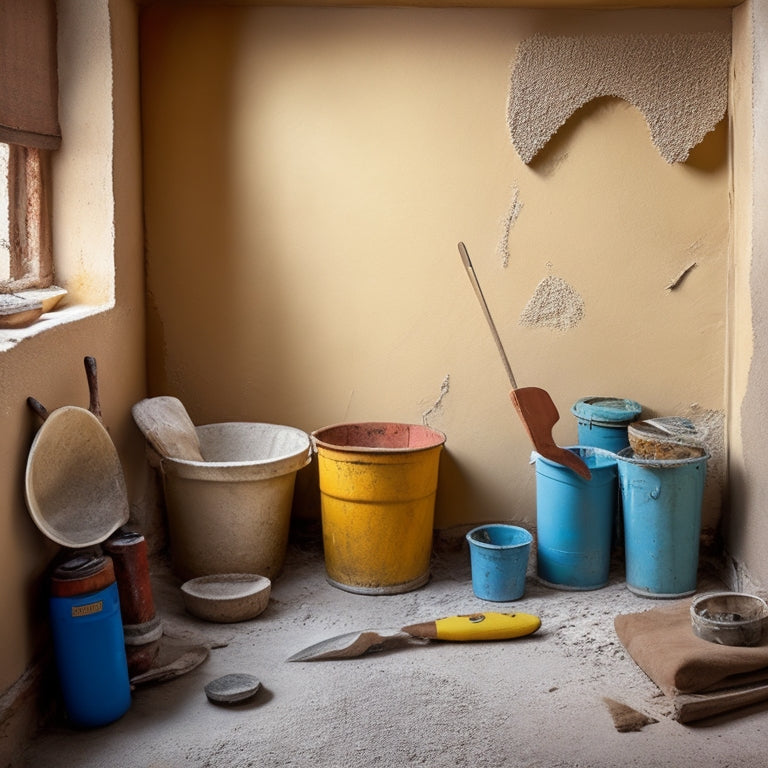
(662, 643)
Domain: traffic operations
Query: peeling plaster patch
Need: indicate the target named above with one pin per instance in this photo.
(438, 405)
(679, 279)
(554, 304)
(509, 221)
(678, 81)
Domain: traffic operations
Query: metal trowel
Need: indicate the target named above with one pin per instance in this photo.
(467, 628)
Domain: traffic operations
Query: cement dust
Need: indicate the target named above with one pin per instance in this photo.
(533, 702)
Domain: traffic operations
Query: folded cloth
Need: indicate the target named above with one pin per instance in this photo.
(662, 643)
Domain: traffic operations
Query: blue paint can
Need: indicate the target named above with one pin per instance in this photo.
(88, 639)
(602, 421)
(574, 520)
(499, 556)
(662, 502)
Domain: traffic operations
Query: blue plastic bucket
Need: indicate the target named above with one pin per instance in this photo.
(89, 645)
(662, 523)
(499, 559)
(574, 520)
(601, 422)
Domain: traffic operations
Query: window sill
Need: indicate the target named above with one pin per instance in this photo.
(10, 337)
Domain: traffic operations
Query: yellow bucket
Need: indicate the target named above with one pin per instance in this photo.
(378, 482)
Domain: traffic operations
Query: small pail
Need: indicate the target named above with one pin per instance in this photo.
(602, 421)
(574, 520)
(662, 522)
(499, 558)
(378, 482)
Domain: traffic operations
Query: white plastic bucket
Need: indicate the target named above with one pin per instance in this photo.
(231, 513)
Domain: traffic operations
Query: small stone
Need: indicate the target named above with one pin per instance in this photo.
(232, 689)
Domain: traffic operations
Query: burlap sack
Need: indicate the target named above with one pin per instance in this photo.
(662, 643)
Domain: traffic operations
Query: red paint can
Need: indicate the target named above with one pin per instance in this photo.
(141, 626)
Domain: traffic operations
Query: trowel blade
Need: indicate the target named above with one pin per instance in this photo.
(354, 644)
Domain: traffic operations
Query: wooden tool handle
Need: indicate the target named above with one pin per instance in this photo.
(37, 407)
(487, 312)
(94, 405)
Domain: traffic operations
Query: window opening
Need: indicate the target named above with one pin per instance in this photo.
(25, 243)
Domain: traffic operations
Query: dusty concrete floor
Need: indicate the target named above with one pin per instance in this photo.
(535, 702)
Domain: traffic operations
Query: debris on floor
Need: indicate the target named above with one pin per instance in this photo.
(625, 718)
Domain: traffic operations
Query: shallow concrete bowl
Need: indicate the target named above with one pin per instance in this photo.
(226, 597)
(729, 618)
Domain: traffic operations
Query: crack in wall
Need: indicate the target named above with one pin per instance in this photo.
(437, 407)
(675, 283)
(511, 217)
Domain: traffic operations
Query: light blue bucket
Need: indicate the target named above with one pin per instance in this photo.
(601, 422)
(662, 523)
(499, 558)
(574, 520)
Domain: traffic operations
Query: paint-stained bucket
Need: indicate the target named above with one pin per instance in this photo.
(574, 520)
(602, 421)
(378, 482)
(499, 556)
(141, 624)
(662, 502)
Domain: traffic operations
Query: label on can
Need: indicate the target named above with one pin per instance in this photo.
(88, 609)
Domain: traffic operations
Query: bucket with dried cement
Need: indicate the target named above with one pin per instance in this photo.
(231, 513)
(378, 482)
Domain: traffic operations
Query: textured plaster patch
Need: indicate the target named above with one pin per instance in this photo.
(515, 207)
(554, 304)
(678, 81)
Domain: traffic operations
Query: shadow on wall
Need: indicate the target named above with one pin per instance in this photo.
(708, 156)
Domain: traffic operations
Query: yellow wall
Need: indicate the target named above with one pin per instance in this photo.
(308, 173)
(49, 366)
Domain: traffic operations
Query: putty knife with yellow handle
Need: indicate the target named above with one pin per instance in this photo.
(474, 626)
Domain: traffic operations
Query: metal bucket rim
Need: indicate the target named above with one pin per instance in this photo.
(627, 455)
(582, 451)
(438, 438)
(489, 545)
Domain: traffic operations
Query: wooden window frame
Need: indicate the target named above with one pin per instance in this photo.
(29, 220)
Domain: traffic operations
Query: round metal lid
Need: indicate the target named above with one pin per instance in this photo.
(612, 410)
(74, 485)
(79, 567)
